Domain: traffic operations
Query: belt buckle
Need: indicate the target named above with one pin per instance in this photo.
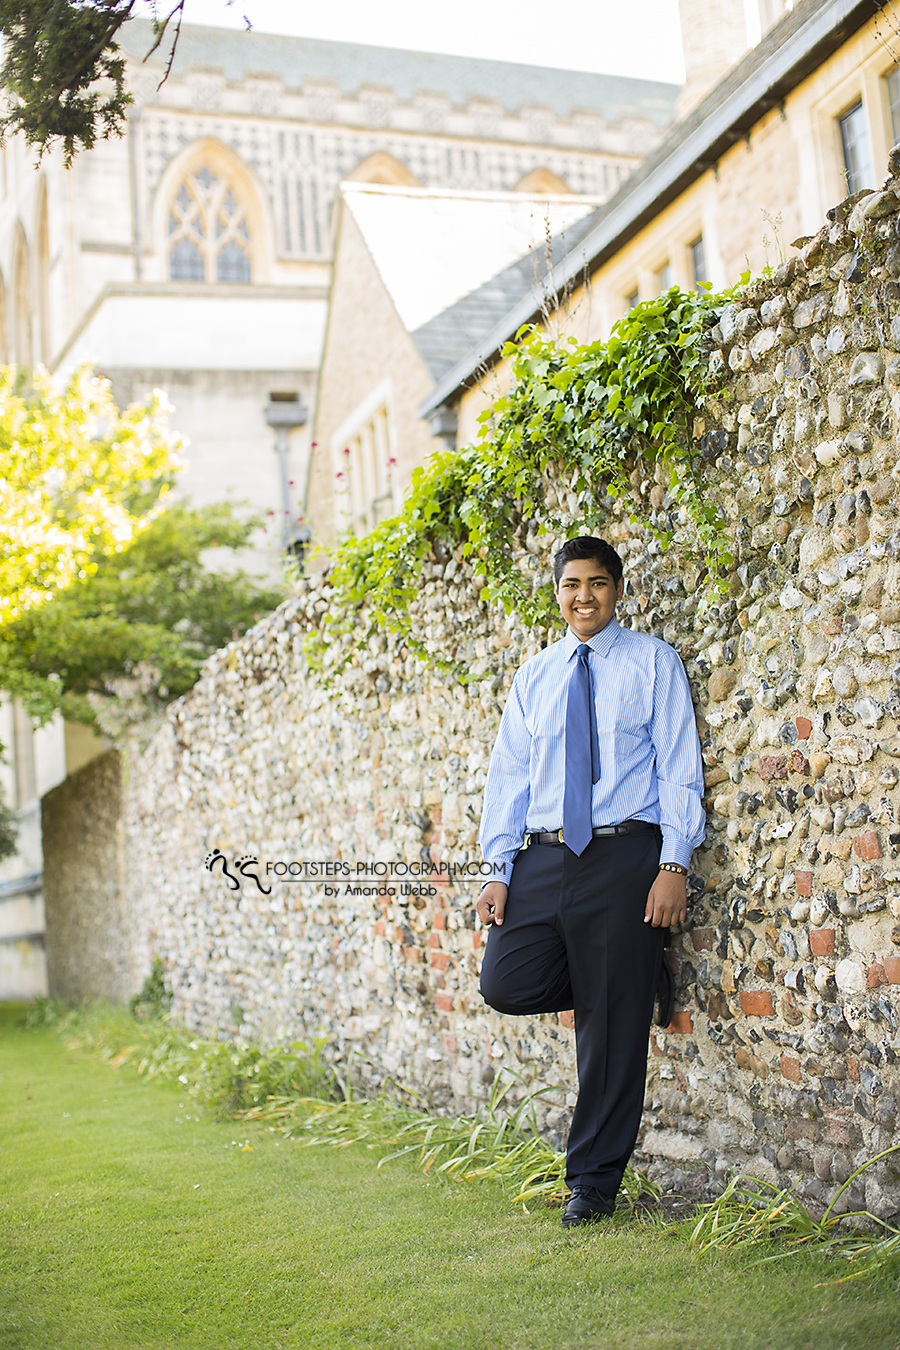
(559, 835)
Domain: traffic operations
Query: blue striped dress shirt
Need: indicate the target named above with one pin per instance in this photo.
(650, 765)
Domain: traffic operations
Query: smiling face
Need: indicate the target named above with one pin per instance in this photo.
(587, 596)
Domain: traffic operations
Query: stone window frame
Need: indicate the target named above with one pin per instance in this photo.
(634, 271)
(41, 264)
(666, 262)
(701, 283)
(364, 464)
(21, 767)
(208, 223)
(856, 148)
(864, 82)
(383, 167)
(542, 180)
(664, 275)
(251, 209)
(293, 170)
(892, 98)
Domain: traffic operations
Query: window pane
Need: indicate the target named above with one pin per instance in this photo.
(209, 239)
(855, 142)
(232, 264)
(893, 89)
(186, 262)
(631, 301)
(664, 278)
(698, 263)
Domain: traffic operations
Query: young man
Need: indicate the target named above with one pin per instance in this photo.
(597, 765)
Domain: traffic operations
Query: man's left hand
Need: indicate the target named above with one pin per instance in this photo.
(667, 901)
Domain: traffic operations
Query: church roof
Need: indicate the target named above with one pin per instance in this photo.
(453, 262)
(462, 78)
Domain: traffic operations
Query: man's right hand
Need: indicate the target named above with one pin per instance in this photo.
(491, 903)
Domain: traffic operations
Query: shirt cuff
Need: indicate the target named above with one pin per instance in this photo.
(675, 849)
(501, 868)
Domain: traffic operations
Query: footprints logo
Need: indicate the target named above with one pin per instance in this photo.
(244, 867)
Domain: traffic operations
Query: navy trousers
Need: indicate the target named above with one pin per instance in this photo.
(573, 936)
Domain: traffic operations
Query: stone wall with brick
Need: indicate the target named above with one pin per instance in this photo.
(781, 1059)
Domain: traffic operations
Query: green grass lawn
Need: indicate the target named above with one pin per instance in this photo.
(129, 1224)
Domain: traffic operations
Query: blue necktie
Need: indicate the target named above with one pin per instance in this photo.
(582, 754)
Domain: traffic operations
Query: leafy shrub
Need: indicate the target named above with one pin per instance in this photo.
(155, 999)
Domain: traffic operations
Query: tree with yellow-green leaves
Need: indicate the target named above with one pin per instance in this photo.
(78, 482)
(101, 573)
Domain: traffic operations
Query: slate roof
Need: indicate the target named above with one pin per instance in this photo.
(239, 54)
(453, 335)
(787, 54)
(434, 247)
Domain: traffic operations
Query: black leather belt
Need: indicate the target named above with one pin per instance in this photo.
(599, 832)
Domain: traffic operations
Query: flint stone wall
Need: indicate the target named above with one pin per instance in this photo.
(782, 1057)
(95, 934)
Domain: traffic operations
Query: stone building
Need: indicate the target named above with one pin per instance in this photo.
(802, 118)
(768, 136)
(194, 255)
(416, 286)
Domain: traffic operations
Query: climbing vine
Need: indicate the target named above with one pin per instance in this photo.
(582, 427)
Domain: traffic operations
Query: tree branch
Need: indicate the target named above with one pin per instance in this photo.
(88, 59)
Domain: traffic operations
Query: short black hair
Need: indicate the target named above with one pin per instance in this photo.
(585, 546)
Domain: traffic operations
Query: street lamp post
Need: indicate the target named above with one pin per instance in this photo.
(284, 412)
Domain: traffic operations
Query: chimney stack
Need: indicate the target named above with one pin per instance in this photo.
(714, 37)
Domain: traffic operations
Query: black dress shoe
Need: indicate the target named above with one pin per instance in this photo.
(587, 1205)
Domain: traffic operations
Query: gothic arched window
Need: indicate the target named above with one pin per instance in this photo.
(209, 239)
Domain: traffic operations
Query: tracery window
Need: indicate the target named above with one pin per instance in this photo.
(209, 239)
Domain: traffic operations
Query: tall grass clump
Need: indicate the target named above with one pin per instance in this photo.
(499, 1141)
(753, 1213)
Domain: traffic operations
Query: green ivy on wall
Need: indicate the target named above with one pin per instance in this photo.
(583, 426)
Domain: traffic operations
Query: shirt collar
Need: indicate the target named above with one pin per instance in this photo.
(601, 643)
